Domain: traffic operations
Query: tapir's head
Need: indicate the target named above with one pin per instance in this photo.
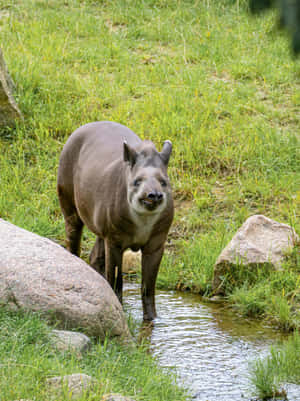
(148, 186)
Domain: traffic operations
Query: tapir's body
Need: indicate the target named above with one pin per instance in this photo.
(117, 185)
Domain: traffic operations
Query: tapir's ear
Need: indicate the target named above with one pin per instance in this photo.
(130, 155)
(166, 152)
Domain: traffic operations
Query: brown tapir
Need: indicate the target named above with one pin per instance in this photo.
(117, 185)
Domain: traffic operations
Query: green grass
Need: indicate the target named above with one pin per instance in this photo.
(269, 374)
(221, 85)
(169, 69)
(28, 358)
(274, 295)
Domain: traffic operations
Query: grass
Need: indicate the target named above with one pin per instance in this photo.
(269, 374)
(28, 358)
(273, 295)
(221, 85)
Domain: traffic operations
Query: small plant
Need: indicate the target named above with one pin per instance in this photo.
(265, 380)
(269, 374)
(250, 301)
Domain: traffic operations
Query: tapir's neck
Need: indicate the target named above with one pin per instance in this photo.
(144, 224)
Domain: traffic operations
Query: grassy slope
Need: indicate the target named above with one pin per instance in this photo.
(220, 84)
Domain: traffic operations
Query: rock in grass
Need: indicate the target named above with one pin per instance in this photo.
(131, 262)
(65, 340)
(260, 241)
(75, 385)
(9, 111)
(115, 397)
(38, 275)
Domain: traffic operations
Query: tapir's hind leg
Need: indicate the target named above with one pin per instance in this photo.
(73, 223)
(74, 227)
(113, 267)
(97, 256)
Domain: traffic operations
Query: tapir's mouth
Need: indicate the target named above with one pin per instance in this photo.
(150, 204)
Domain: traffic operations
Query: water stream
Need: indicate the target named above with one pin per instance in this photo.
(209, 346)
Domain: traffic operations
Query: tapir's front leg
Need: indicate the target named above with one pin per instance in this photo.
(113, 267)
(150, 265)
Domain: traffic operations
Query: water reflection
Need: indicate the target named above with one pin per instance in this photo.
(209, 346)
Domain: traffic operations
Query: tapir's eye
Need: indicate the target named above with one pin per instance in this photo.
(163, 182)
(137, 182)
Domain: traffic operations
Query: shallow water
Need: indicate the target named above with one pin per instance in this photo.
(210, 347)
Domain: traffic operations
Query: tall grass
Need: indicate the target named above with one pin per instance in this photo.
(269, 374)
(274, 295)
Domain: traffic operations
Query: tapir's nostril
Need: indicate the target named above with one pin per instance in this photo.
(155, 196)
(152, 195)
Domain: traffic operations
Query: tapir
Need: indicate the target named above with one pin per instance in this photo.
(117, 185)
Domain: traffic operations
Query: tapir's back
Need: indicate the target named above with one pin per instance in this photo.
(105, 137)
(97, 145)
(90, 165)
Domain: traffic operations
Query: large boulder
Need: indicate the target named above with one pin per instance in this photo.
(259, 241)
(39, 275)
(9, 111)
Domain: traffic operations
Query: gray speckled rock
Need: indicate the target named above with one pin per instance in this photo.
(259, 241)
(9, 111)
(76, 384)
(70, 340)
(37, 274)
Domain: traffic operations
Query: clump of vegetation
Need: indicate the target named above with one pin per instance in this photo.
(271, 294)
(282, 365)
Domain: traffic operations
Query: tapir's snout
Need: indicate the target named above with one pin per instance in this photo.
(155, 196)
(152, 200)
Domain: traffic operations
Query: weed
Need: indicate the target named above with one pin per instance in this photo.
(268, 374)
